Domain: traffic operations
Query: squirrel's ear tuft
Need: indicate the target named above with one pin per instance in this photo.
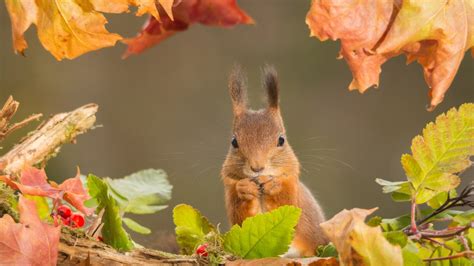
(270, 83)
(238, 89)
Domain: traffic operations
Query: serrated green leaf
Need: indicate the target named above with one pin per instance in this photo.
(191, 227)
(442, 151)
(264, 235)
(134, 226)
(112, 231)
(143, 192)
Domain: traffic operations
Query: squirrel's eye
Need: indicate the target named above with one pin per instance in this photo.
(281, 141)
(234, 143)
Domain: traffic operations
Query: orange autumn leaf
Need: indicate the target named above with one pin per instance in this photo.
(223, 13)
(144, 6)
(30, 242)
(66, 28)
(436, 34)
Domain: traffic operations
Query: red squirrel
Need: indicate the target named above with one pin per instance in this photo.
(261, 171)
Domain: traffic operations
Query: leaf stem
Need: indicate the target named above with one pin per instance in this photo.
(467, 254)
(413, 224)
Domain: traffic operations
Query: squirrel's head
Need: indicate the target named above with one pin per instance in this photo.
(258, 145)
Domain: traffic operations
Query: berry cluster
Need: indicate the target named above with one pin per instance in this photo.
(67, 217)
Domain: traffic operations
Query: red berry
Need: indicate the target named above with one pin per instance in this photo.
(202, 250)
(64, 211)
(77, 220)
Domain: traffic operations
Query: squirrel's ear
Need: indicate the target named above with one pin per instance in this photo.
(270, 83)
(238, 90)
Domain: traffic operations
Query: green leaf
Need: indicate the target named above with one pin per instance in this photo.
(401, 190)
(326, 251)
(464, 218)
(42, 206)
(411, 255)
(133, 225)
(112, 231)
(191, 227)
(396, 238)
(442, 151)
(143, 192)
(264, 235)
(441, 198)
(374, 221)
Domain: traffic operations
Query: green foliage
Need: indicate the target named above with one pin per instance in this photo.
(437, 157)
(191, 228)
(264, 235)
(136, 226)
(326, 251)
(143, 192)
(112, 231)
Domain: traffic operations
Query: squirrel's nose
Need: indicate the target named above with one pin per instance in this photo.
(257, 169)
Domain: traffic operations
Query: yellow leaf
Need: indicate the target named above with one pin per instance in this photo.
(360, 244)
(144, 6)
(22, 15)
(66, 28)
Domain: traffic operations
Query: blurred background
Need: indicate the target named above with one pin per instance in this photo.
(168, 108)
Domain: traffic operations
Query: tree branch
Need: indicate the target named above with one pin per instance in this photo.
(45, 142)
(6, 114)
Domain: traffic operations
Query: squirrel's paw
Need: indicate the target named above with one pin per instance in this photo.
(247, 189)
(271, 185)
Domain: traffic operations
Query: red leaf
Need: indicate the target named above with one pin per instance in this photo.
(30, 242)
(75, 193)
(34, 182)
(223, 13)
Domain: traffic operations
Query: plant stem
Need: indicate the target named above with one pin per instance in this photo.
(413, 224)
(467, 254)
(444, 233)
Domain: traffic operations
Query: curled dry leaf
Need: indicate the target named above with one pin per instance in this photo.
(30, 242)
(223, 13)
(436, 34)
(360, 244)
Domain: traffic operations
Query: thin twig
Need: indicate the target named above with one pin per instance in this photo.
(445, 233)
(467, 254)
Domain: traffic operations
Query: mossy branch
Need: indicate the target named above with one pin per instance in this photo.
(45, 142)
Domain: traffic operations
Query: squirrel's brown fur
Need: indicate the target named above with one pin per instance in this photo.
(258, 174)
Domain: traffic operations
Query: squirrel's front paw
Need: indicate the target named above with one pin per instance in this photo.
(247, 189)
(270, 185)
